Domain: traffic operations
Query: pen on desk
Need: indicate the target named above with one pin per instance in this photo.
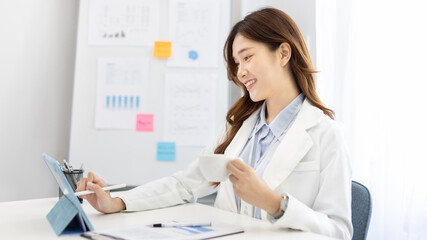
(184, 224)
(104, 188)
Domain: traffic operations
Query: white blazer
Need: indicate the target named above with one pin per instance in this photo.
(310, 165)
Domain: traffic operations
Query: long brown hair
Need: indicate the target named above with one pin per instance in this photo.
(272, 27)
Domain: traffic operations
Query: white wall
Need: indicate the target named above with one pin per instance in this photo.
(37, 50)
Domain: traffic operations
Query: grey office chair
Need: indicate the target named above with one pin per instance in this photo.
(361, 209)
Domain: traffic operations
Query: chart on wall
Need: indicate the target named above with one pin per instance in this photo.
(122, 86)
(123, 22)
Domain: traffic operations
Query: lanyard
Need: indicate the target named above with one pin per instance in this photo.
(270, 146)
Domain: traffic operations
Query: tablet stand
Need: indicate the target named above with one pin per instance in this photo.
(65, 217)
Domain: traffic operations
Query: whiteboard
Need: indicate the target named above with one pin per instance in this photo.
(127, 156)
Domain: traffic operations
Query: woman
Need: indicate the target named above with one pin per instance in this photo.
(295, 172)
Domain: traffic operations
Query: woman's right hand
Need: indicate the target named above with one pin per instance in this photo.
(101, 200)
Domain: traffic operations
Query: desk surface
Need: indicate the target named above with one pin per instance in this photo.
(27, 220)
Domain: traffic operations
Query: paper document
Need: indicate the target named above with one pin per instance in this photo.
(122, 88)
(217, 229)
(124, 22)
(190, 104)
(193, 30)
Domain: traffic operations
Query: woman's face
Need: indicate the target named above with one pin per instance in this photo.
(259, 69)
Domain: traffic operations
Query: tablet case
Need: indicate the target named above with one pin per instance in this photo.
(67, 216)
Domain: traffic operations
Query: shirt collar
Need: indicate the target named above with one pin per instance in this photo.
(277, 124)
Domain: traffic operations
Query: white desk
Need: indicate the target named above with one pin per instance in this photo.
(27, 220)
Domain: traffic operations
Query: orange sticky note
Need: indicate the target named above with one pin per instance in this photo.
(162, 49)
(144, 123)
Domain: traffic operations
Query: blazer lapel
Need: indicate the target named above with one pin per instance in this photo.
(293, 147)
(236, 145)
(234, 149)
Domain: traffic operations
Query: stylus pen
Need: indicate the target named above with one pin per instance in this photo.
(183, 224)
(104, 188)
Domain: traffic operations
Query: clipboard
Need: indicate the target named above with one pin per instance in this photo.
(67, 216)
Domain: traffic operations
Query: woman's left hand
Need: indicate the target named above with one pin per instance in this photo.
(252, 189)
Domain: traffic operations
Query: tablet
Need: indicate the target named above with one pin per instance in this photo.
(68, 203)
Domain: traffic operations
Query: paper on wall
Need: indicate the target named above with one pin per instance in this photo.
(193, 30)
(190, 108)
(162, 49)
(123, 22)
(122, 86)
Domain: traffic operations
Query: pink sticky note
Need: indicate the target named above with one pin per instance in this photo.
(144, 122)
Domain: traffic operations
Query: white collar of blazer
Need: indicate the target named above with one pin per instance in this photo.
(293, 147)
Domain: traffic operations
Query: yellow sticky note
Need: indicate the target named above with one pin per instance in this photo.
(162, 49)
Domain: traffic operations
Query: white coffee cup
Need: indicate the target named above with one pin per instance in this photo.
(214, 167)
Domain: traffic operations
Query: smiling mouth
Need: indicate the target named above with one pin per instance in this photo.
(249, 83)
